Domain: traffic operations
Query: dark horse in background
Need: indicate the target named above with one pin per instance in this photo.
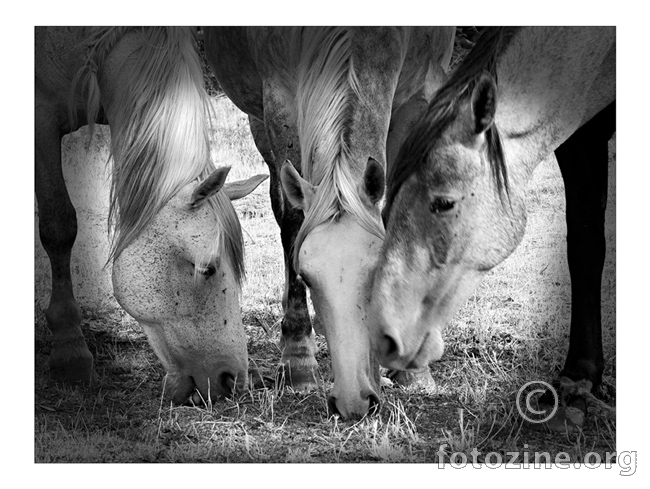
(328, 108)
(455, 204)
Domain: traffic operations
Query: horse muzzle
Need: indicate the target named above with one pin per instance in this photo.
(202, 389)
(411, 354)
(354, 407)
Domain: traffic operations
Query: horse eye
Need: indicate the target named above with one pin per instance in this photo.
(441, 204)
(206, 271)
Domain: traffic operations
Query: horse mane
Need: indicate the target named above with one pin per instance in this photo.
(159, 130)
(443, 110)
(327, 88)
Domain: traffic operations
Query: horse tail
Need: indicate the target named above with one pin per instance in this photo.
(95, 45)
(93, 97)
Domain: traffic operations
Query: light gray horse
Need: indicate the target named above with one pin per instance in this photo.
(455, 199)
(328, 107)
(177, 248)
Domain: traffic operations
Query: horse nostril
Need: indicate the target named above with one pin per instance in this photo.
(373, 404)
(227, 382)
(331, 406)
(391, 345)
(180, 388)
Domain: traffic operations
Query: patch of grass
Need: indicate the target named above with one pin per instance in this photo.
(514, 329)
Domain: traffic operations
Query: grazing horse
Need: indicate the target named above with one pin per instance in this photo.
(455, 196)
(177, 247)
(327, 108)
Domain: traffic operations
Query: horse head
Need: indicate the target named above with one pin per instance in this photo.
(448, 222)
(180, 279)
(336, 261)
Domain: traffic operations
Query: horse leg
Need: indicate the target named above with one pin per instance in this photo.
(298, 363)
(583, 161)
(70, 359)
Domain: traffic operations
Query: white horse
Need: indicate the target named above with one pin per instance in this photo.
(455, 199)
(177, 249)
(328, 106)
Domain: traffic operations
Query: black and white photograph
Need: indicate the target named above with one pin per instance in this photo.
(327, 244)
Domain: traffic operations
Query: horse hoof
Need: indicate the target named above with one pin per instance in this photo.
(568, 417)
(300, 378)
(71, 365)
(566, 409)
(419, 379)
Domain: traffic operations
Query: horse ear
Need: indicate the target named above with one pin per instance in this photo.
(484, 103)
(298, 190)
(209, 187)
(241, 188)
(373, 183)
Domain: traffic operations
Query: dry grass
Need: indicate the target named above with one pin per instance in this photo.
(512, 330)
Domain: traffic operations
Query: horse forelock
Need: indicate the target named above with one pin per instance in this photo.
(159, 124)
(327, 91)
(444, 109)
(336, 196)
(227, 236)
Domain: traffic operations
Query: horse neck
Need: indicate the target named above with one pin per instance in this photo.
(425, 63)
(344, 96)
(335, 73)
(551, 80)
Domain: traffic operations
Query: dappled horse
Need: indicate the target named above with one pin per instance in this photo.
(328, 107)
(177, 247)
(455, 197)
